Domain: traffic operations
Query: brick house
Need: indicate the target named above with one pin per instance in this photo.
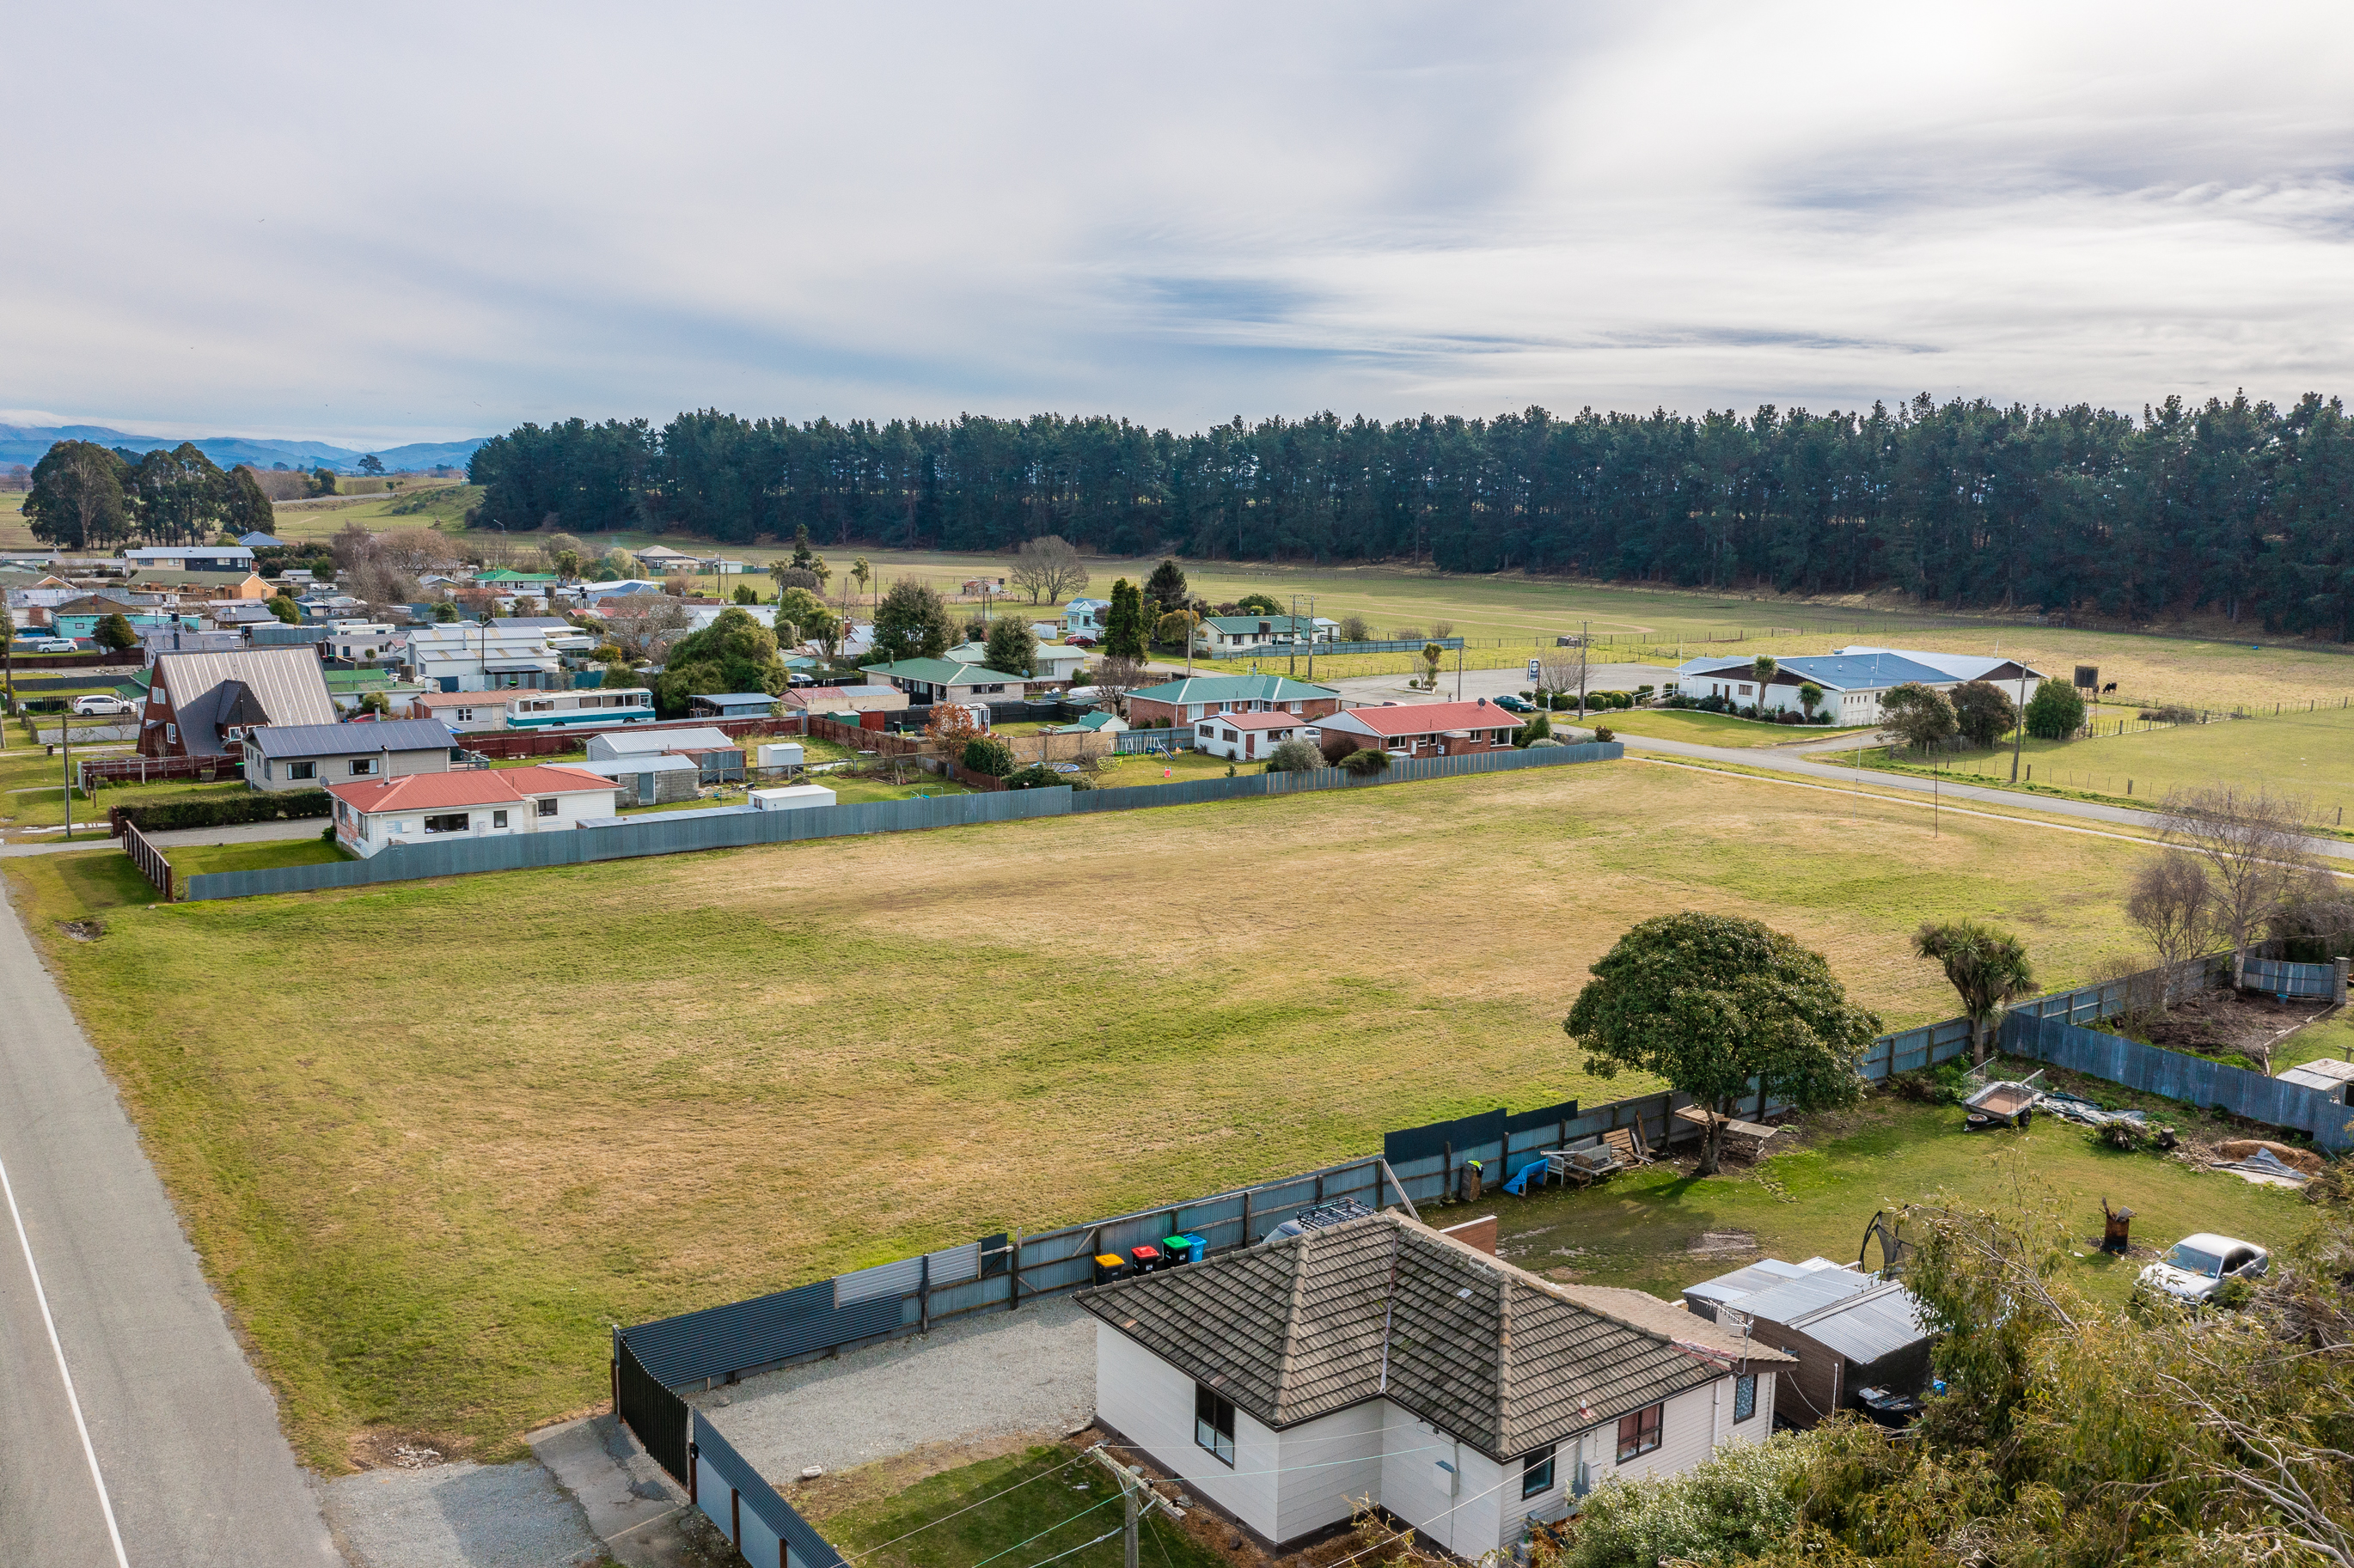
(1427, 729)
(1193, 698)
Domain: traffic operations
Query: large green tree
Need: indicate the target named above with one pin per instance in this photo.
(912, 622)
(1012, 647)
(1987, 966)
(1166, 586)
(180, 496)
(248, 510)
(1124, 628)
(734, 653)
(76, 500)
(113, 632)
(803, 616)
(1918, 713)
(1711, 1002)
(1984, 710)
(2055, 712)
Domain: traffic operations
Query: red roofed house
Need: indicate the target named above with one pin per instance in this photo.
(1249, 736)
(1425, 729)
(480, 802)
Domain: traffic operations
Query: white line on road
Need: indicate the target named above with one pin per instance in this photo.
(105, 1504)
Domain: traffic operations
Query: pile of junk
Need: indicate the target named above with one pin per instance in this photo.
(2013, 1102)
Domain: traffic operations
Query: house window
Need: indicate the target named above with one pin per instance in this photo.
(498, 819)
(547, 805)
(1214, 1424)
(454, 823)
(1640, 1434)
(1536, 1472)
(302, 770)
(363, 766)
(1744, 1398)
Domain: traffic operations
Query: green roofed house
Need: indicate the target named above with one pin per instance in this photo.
(1096, 722)
(946, 681)
(1180, 703)
(502, 577)
(1227, 633)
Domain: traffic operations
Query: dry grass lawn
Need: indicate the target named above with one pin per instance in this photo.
(432, 1138)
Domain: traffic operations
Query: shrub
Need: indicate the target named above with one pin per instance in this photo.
(1367, 762)
(2170, 713)
(1538, 727)
(1604, 732)
(1294, 756)
(987, 753)
(1037, 776)
(1561, 702)
(1548, 740)
(1736, 1506)
(1937, 1085)
(227, 811)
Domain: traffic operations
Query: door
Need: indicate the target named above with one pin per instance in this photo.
(1250, 743)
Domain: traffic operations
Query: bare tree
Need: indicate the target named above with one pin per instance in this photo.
(1048, 567)
(379, 584)
(649, 632)
(2174, 903)
(2252, 845)
(1121, 676)
(1558, 670)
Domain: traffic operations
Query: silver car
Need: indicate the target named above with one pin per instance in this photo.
(2195, 1267)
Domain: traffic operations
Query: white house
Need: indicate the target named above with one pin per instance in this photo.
(1084, 617)
(1377, 1359)
(365, 641)
(1229, 632)
(1852, 681)
(1048, 662)
(480, 802)
(478, 656)
(1249, 736)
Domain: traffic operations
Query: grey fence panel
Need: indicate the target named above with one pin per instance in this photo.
(895, 1278)
(2292, 979)
(1130, 743)
(784, 1538)
(1324, 649)
(955, 1265)
(2190, 1079)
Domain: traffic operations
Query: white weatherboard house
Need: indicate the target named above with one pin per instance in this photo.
(1852, 681)
(1378, 1358)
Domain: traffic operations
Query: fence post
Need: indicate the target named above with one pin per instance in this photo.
(1014, 1272)
(924, 1295)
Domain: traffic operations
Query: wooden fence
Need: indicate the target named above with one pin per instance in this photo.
(145, 770)
(148, 859)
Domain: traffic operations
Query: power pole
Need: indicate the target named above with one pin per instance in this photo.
(2019, 729)
(1458, 672)
(1136, 1498)
(1582, 640)
(1311, 639)
(1291, 665)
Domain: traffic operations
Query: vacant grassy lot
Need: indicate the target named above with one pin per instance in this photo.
(1658, 1229)
(1704, 729)
(33, 786)
(634, 1088)
(204, 860)
(2309, 755)
(1038, 1500)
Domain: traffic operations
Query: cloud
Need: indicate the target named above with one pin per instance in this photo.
(372, 226)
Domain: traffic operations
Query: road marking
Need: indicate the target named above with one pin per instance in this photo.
(105, 1505)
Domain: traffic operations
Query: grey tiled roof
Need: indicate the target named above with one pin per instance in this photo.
(1485, 1352)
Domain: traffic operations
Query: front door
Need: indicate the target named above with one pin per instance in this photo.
(1250, 743)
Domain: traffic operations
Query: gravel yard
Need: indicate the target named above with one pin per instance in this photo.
(459, 1516)
(994, 1374)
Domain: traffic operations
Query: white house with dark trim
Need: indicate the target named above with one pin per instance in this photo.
(1378, 1358)
(1852, 681)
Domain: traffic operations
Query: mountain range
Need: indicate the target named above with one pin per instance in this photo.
(26, 443)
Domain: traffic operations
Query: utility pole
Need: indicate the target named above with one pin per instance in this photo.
(1311, 639)
(1292, 666)
(2019, 729)
(65, 743)
(1582, 640)
(1458, 672)
(1137, 1499)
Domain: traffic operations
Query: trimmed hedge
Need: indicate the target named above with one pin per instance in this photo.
(160, 816)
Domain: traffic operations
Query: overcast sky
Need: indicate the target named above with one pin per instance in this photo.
(382, 223)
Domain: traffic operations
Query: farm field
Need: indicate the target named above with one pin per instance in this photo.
(763, 1066)
(2309, 755)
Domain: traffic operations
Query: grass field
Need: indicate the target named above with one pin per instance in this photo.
(2309, 755)
(204, 860)
(747, 1070)
(1038, 1500)
(1705, 729)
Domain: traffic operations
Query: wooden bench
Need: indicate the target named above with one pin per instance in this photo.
(1753, 1136)
(1626, 1142)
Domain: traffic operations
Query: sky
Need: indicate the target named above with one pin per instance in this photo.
(379, 224)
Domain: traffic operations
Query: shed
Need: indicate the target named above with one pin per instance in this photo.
(732, 706)
(649, 780)
(655, 742)
(2331, 1077)
(792, 798)
(1848, 1330)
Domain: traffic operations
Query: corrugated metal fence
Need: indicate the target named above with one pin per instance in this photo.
(2193, 1080)
(2286, 979)
(1267, 651)
(660, 834)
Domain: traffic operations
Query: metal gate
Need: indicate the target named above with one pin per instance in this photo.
(657, 1415)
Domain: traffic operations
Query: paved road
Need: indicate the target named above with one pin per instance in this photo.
(243, 833)
(185, 1436)
(1493, 684)
(1778, 759)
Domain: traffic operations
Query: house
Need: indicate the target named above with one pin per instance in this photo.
(1049, 662)
(238, 613)
(1195, 697)
(945, 681)
(1229, 632)
(649, 780)
(717, 756)
(662, 558)
(1852, 681)
(199, 585)
(486, 656)
(1084, 617)
(260, 542)
(366, 642)
(732, 704)
(463, 712)
(157, 640)
(1846, 1331)
(374, 815)
(1379, 1360)
(1249, 736)
(79, 618)
(1096, 723)
(306, 755)
(202, 704)
(236, 557)
(845, 700)
(1427, 729)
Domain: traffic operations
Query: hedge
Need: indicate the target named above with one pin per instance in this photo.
(160, 816)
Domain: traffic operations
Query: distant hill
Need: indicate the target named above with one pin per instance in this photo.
(26, 443)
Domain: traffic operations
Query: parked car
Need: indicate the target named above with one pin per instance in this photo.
(1078, 641)
(99, 704)
(2195, 1267)
(1512, 704)
(56, 645)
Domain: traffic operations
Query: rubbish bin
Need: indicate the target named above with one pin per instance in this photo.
(1196, 1247)
(1178, 1249)
(1147, 1257)
(1110, 1265)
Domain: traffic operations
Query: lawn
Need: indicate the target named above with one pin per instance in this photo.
(1039, 1500)
(721, 1074)
(1658, 1229)
(2306, 755)
(204, 860)
(32, 787)
(2330, 1036)
(1704, 729)
(1123, 772)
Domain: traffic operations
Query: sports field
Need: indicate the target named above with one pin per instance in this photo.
(432, 1138)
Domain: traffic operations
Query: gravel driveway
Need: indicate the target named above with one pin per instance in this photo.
(459, 1516)
(993, 1375)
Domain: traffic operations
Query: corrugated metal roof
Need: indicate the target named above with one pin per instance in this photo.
(644, 743)
(1878, 1322)
(348, 740)
(1794, 1299)
(285, 682)
(1763, 1274)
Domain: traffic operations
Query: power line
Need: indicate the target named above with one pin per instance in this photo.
(855, 1556)
(1051, 1528)
(1082, 1546)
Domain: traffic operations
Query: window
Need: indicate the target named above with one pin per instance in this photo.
(454, 823)
(547, 805)
(1639, 1433)
(302, 770)
(1536, 1472)
(499, 820)
(1745, 1397)
(1214, 1424)
(361, 766)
